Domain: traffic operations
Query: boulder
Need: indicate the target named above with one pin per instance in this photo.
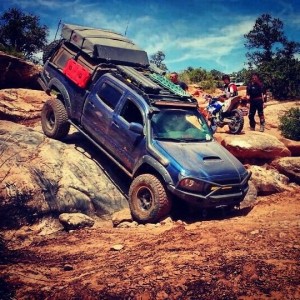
(293, 146)
(268, 180)
(251, 196)
(40, 176)
(290, 166)
(121, 216)
(256, 146)
(72, 221)
(21, 104)
(18, 73)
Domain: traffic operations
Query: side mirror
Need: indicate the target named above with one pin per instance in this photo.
(136, 127)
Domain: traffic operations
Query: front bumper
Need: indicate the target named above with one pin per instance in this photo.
(221, 196)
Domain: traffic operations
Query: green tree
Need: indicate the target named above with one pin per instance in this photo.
(22, 33)
(261, 40)
(273, 56)
(217, 75)
(289, 50)
(157, 59)
(282, 76)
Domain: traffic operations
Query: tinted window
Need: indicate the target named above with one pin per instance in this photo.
(62, 58)
(131, 113)
(109, 95)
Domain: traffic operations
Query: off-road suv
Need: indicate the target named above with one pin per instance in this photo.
(148, 126)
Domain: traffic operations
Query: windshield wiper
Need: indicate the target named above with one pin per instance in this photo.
(191, 140)
(167, 139)
(180, 140)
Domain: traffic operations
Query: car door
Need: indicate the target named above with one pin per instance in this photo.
(99, 108)
(127, 144)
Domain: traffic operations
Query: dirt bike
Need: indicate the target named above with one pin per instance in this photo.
(231, 112)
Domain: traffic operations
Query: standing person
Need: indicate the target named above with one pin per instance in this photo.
(174, 79)
(255, 94)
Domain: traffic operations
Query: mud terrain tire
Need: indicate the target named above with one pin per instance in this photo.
(237, 126)
(148, 199)
(54, 119)
(50, 49)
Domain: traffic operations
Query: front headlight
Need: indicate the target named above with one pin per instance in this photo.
(192, 185)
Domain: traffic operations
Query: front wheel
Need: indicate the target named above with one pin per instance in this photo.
(148, 199)
(54, 119)
(237, 121)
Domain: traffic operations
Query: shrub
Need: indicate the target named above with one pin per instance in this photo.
(289, 124)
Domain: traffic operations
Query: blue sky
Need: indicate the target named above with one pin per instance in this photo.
(204, 33)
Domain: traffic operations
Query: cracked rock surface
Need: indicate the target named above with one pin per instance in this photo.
(41, 176)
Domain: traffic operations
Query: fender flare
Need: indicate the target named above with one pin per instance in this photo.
(148, 160)
(54, 83)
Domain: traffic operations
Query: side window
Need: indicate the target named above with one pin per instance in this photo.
(131, 113)
(109, 95)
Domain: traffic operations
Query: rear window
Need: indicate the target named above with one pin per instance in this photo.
(62, 57)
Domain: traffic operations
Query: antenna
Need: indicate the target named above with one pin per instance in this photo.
(127, 26)
(57, 29)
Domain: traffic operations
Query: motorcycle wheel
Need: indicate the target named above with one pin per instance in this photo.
(237, 121)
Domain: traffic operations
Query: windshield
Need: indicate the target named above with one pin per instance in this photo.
(180, 125)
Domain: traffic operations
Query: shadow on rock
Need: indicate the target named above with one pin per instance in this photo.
(87, 148)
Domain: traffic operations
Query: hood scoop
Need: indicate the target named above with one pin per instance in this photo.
(212, 158)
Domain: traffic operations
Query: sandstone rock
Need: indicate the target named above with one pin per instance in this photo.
(18, 73)
(117, 247)
(41, 176)
(255, 146)
(72, 221)
(290, 166)
(128, 224)
(251, 196)
(123, 215)
(21, 104)
(268, 181)
(293, 146)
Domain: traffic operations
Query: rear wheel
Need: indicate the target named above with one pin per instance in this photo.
(54, 119)
(148, 199)
(237, 121)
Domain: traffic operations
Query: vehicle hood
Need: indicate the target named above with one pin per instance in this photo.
(205, 160)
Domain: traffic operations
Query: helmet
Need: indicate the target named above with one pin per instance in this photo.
(225, 76)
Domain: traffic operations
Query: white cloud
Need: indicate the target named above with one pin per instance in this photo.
(212, 47)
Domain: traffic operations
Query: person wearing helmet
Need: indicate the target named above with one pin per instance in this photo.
(230, 89)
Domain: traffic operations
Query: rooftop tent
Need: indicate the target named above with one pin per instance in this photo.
(105, 45)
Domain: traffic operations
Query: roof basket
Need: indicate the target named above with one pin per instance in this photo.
(177, 90)
(143, 82)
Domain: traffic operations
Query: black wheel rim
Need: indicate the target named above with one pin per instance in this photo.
(50, 119)
(234, 125)
(145, 198)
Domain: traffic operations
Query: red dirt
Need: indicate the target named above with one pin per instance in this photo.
(253, 253)
(249, 254)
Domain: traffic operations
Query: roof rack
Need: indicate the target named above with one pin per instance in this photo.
(155, 86)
